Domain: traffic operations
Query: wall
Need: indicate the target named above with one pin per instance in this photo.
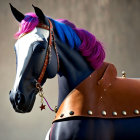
(114, 22)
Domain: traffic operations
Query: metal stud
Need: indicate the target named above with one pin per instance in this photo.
(55, 109)
(104, 113)
(105, 89)
(123, 74)
(136, 112)
(110, 84)
(90, 112)
(61, 115)
(124, 113)
(114, 113)
(71, 112)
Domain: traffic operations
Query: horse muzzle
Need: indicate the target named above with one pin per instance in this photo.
(20, 102)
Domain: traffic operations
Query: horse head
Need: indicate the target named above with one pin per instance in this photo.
(40, 40)
(32, 49)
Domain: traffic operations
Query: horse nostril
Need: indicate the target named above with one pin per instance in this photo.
(9, 92)
(19, 99)
(11, 98)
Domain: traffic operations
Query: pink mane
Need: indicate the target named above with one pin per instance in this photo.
(27, 24)
(90, 47)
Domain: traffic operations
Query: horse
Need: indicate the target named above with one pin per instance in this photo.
(93, 104)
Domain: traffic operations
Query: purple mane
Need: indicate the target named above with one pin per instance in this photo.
(27, 24)
(90, 47)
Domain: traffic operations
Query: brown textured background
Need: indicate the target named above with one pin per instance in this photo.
(114, 22)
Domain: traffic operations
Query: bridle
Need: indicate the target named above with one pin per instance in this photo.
(51, 43)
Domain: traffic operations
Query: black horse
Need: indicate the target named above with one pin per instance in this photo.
(42, 54)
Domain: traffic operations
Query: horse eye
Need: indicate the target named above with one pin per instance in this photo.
(39, 48)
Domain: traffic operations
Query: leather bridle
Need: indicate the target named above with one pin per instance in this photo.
(51, 43)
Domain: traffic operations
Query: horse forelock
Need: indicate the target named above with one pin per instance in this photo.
(27, 24)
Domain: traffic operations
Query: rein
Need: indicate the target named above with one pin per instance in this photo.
(51, 43)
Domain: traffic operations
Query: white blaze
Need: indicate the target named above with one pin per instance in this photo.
(24, 50)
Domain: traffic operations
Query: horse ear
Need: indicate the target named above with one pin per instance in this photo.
(18, 15)
(42, 18)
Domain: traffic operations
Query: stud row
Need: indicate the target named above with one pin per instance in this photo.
(71, 113)
(104, 113)
(114, 113)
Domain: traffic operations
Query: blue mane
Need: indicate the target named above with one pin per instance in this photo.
(82, 40)
(67, 34)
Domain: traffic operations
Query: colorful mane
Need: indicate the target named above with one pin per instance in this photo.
(67, 32)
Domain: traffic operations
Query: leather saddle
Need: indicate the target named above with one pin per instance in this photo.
(103, 95)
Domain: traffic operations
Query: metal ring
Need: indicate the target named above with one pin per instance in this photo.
(38, 86)
(41, 94)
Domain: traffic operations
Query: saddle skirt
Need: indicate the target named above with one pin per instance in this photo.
(103, 95)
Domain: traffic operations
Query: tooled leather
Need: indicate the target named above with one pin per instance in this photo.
(103, 91)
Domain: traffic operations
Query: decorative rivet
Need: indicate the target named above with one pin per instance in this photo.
(136, 111)
(123, 74)
(55, 109)
(71, 112)
(114, 113)
(61, 115)
(90, 76)
(105, 89)
(104, 113)
(90, 112)
(124, 113)
(109, 84)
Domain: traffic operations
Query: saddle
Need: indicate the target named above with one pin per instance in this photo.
(103, 95)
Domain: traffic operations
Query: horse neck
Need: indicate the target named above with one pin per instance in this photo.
(73, 69)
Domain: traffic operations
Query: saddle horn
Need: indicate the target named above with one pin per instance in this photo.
(42, 18)
(18, 15)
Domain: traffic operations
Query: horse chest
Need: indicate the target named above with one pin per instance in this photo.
(96, 129)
